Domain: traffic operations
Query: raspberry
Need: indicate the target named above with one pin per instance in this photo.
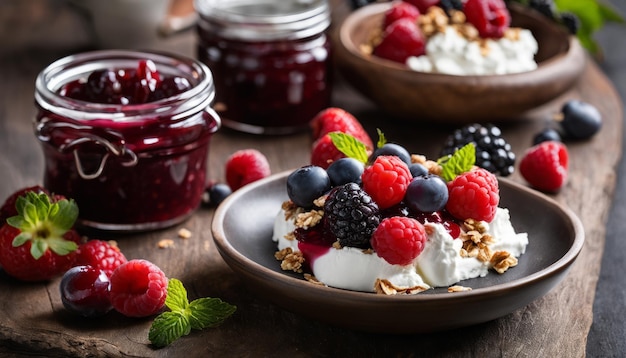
(100, 255)
(422, 5)
(401, 10)
(544, 166)
(338, 120)
(386, 180)
(324, 152)
(399, 240)
(490, 17)
(351, 215)
(473, 195)
(138, 288)
(401, 40)
(246, 166)
(8, 208)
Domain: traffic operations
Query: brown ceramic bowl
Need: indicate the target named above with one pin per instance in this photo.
(242, 229)
(418, 96)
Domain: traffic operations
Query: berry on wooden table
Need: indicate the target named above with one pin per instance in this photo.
(138, 288)
(39, 243)
(581, 120)
(473, 195)
(544, 166)
(101, 255)
(399, 240)
(8, 208)
(246, 166)
(85, 291)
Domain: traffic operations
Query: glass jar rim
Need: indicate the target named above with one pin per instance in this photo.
(48, 82)
(262, 20)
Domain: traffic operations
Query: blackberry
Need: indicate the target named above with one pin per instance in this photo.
(351, 215)
(545, 7)
(570, 21)
(493, 153)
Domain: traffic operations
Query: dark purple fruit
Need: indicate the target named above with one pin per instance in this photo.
(85, 291)
(581, 120)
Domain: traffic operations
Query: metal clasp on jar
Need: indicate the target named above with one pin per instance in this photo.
(81, 134)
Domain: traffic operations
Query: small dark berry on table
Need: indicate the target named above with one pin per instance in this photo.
(570, 21)
(581, 120)
(548, 134)
(218, 192)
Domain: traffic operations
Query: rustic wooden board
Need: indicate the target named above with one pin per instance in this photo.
(33, 321)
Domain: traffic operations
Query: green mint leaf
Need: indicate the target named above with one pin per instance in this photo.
(460, 162)
(184, 316)
(176, 299)
(209, 312)
(350, 146)
(593, 15)
(168, 327)
(381, 138)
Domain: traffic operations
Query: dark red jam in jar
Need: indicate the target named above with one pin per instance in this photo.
(271, 60)
(126, 135)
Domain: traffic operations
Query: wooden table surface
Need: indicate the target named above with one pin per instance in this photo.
(34, 323)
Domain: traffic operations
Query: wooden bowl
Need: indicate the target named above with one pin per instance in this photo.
(418, 96)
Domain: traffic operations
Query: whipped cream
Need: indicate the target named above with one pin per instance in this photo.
(440, 264)
(449, 52)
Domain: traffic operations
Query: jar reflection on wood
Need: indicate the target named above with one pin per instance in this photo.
(271, 60)
(130, 165)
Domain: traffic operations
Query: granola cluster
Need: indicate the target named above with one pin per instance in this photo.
(475, 244)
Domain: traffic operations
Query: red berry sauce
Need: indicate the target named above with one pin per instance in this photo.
(125, 141)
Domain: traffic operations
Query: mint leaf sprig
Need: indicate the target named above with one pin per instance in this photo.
(350, 146)
(461, 161)
(185, 316)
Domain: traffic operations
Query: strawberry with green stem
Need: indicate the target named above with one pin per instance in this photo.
(39, 242)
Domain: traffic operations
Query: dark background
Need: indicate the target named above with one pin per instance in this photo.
(607, 337)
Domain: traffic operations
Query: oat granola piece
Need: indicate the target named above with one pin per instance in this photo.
(501, 261)
(184, 233)
(291, 209)
(165, 244)
(385, 287)
(310, 278)
(309, 219)
(291, 261)
(457, 288)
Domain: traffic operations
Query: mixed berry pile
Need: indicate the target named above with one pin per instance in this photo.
(402, 34)
(380, 198)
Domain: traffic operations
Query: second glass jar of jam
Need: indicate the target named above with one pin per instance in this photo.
(271, 60)
(125, 134)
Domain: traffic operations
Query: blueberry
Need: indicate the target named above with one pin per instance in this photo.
(548, 134)
(306, 184)
(345, 170)
(581, 120)
(218, 192)
(417, 170)
(427, 194)
(393, 149)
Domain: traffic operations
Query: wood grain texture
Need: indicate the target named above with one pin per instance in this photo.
(33, 321)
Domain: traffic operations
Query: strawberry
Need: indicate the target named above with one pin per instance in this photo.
(39, 243)
(490, 17)
(324, 152)
(8, 208)
(544, 166)
(401, 40)
(338, 120)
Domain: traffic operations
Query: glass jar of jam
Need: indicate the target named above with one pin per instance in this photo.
(271, 60)
(126, 135)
